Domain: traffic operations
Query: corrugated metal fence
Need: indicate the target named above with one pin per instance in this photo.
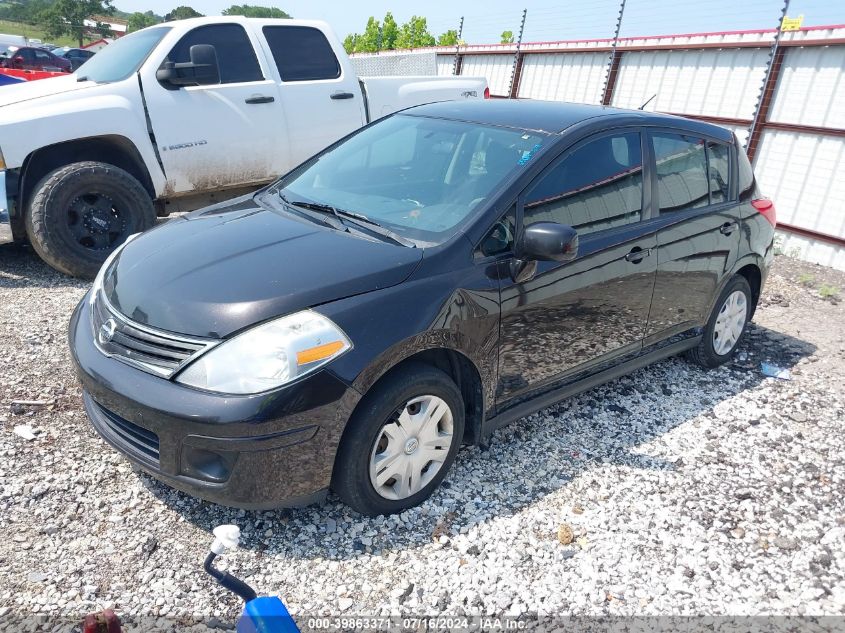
(799, 144)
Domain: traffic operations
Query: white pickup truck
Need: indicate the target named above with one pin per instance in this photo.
(176, 117)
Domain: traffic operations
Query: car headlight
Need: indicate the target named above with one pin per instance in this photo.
(268, 356)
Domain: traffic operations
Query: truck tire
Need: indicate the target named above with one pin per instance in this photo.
(81, 212)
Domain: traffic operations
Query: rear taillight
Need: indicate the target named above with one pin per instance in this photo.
(487, 92)
(766, 208)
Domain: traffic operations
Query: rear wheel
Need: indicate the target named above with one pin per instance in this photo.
(80, 213)
(726, 325)
(401, 441)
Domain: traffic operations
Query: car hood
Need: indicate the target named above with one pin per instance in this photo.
(37, 89)
(220, 270)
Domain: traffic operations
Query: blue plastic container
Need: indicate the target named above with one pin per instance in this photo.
(266, 615)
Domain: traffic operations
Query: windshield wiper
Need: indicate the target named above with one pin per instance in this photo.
(298, 205)
(358, 219)
(371, 225)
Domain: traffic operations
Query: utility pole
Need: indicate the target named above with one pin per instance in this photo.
(455, 68)
(517, 61)
(764, 99)
(613, 62)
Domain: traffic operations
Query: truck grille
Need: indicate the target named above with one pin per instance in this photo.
(137, 440)
(154, 351)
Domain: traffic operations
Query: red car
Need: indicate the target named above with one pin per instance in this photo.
(29, 58)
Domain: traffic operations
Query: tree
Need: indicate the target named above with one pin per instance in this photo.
(449, 38)
(137, 21)
(414, 34)
(389, 32)
(370, 41)
(350, 43)
(182, 13)
(507, 37)
(67, 17)
(255, 11)
(27, 11)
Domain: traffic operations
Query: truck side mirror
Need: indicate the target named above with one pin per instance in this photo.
(202, 70)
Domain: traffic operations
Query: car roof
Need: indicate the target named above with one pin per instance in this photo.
(553, 116)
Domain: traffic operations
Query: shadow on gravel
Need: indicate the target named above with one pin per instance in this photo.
(526, 461)
(20, 267)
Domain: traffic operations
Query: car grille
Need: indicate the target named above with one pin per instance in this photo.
(154, 351)
(137, 440)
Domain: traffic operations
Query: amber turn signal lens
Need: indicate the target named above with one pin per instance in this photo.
(318, 353)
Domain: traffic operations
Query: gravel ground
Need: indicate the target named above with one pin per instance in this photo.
(672, 491)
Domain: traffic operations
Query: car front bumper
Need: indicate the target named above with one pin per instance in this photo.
(263, 451)
(5, 220)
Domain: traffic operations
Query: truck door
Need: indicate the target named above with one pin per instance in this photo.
(218, 136)
(321, 97)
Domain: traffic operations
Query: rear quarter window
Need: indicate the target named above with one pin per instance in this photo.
(745, 176)
(302, 53)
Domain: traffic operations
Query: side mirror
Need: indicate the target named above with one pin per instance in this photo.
(17, 62)
(202, 70)
(549, 241)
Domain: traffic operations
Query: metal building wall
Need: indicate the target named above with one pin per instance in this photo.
(811, 90)
(804, 173)
(709, 81)
(563, 77)
(497, 69)
(445, 64)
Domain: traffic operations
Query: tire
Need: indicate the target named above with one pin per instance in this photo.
(715, 347)
(69, 232)
(373, 430)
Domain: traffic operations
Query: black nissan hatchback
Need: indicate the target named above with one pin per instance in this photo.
(423, 281)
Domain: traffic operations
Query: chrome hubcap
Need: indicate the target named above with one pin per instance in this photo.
(730, 323)
(411, 448)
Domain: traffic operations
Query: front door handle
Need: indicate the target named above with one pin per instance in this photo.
(342, 95)
(260, 99)
(637, 254)
(727, 228)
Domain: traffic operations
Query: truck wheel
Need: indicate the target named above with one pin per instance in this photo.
(81, 212)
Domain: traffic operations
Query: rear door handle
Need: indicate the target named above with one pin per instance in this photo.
(260, 99)
(342, 95)
(728, 227)
(637, 254)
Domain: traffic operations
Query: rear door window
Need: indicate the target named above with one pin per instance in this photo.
(598, 186)
(302, 53)
(681, 171)
(235, 54)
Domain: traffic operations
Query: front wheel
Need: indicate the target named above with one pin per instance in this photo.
(401, 441)
(81, 212)
(726, 325)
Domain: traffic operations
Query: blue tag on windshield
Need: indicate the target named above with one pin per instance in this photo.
(527, 155)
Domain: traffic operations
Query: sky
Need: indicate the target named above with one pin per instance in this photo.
(545, 20)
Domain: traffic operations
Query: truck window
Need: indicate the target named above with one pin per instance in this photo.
(235, 54)
(119, 60)
(302, 53)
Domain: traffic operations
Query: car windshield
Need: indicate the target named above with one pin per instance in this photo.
(420, 177)
(122, 58)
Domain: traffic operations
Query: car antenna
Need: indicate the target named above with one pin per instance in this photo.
(642, 107)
